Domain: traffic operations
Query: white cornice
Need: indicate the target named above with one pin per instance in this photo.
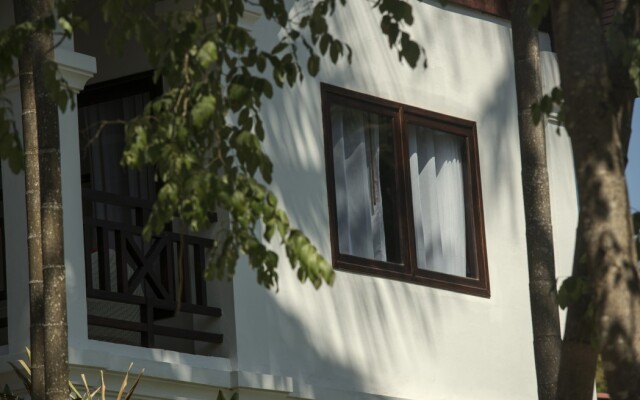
(75, 68)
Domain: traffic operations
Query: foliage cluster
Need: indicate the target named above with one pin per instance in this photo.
(204, 134)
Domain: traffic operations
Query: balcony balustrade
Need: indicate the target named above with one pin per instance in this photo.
(140, 291)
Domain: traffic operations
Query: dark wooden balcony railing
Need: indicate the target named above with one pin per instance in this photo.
(138, 287)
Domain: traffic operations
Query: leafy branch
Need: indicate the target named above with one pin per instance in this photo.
(204, 134)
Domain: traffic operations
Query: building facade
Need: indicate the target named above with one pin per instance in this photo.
(408, 180)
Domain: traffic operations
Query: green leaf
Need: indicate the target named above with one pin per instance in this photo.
(238, 95)
(272, 200)
(238, 92)
(335, 50)
(292, 74)
(207, 55)
(16, 161)
(261, 63)
(279, 47)
(267, 89)
(65, 25)
(313, 65)
(572, 290)
(325, 40)
(203, 111)
(270, 229)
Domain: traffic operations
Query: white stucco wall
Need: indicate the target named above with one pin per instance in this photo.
(372, 335)
(365, 337)
(562, 182)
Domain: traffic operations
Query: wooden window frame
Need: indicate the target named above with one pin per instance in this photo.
(408, 271)
(499, 8)
(117, 88)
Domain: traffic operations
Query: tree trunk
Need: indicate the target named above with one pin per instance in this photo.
(55, 305)
(593, 122)
(537, 206)
(23, 12)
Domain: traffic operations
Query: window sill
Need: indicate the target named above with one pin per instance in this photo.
(459, 284)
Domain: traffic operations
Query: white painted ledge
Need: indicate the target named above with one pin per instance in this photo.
(171, 375)
(253, 380)
(75, 68)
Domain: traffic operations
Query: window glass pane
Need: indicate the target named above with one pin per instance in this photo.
(437, 187)
(102, 147)
(365, 184)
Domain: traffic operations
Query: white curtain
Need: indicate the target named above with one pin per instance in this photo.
(437, 188)
(356, 165)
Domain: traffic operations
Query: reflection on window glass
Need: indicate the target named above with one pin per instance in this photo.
(365, 184)
(437, 187)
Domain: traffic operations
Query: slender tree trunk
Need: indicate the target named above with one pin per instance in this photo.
(537, 205)
(593, 122)
(32, 184)
(55, 305)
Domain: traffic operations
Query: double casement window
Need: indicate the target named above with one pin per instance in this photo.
(404, 192)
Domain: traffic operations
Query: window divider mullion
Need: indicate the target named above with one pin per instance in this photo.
(404, 193)
(327, 100)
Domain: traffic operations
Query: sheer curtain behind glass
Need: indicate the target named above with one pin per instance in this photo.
(364, 183)
(437, 187)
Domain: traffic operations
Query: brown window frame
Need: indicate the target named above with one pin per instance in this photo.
(499, 8)
(408, 271)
